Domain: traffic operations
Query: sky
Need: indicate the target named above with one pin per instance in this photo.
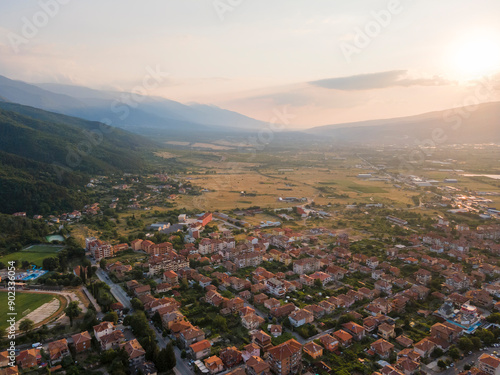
(325, 61)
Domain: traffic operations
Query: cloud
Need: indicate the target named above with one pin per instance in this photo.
(378, 81)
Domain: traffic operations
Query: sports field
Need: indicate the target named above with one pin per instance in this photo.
(34, 254)
(25, 303)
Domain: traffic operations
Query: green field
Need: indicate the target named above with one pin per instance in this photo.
(34, 254)
(24, 301)
(367, 189)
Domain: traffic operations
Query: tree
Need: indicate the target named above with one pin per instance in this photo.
(441, 364)
(137, 304)
(72, 311)
(317, 283)
(170, 356)
(454, 353)
(51, 263)
(465, 344)
(220, 322)
(486, 336)
(111, 317)
(436, 353)
(26, 325)
(102, 263)
(476, 341)
(82, 274)
(493, 318)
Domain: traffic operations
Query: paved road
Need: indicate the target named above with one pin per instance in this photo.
(182, 367)
(459, 366)
(116, 290)
(263, 315)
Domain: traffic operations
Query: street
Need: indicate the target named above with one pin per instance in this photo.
(116, 290)
(262, 315)
(459, 366)
(182, 367)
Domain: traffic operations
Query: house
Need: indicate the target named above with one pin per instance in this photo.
(344, 338)
(372, 262)
(284, 310)
(424, 347)
(275, 287)
(11, 370)
(136, 354)
(260, 298)
(306, 265)
(357, 331)
(409, 353)
(404, 341)
(112, 341)
(262, 339)
(58, 350)
(250, 350)
(407, 366)
(231, 357)
(383, 286)
(142, 290)
(329, 342)
(81, 341)
(145, 368)
(313, 350)
(386, 331)
(286, 358)
(389, 370)
(382, 347)
(200, 350)
(257, 366)
(28, 358)
(423, 276)
(446, 331)
(214, 364)
(4, 359)
(235, 304)
(489, 364)
(252, 321)
(275, 330)
(366, 293)
(191, 335)
(170, 277)
(271, 303)
(300, 317)
(323, 277)
(104, 328)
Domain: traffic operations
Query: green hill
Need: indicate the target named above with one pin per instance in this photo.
(45, 158)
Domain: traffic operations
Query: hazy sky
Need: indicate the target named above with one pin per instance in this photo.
(329, 61)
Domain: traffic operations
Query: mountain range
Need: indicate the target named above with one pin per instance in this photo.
(164, 119)
(467, 125)
(139, 114)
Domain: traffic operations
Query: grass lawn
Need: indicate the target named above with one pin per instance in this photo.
(42, 249)
(35, 254)
(24, 301)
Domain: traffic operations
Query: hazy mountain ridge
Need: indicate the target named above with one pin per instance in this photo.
(148, 113)
(481, 125)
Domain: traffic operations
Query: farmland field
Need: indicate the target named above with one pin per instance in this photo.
(24, 302)
(34, 254)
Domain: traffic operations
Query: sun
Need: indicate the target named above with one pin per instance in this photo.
(476, 55)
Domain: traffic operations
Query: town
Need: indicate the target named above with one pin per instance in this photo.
(225, 293)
